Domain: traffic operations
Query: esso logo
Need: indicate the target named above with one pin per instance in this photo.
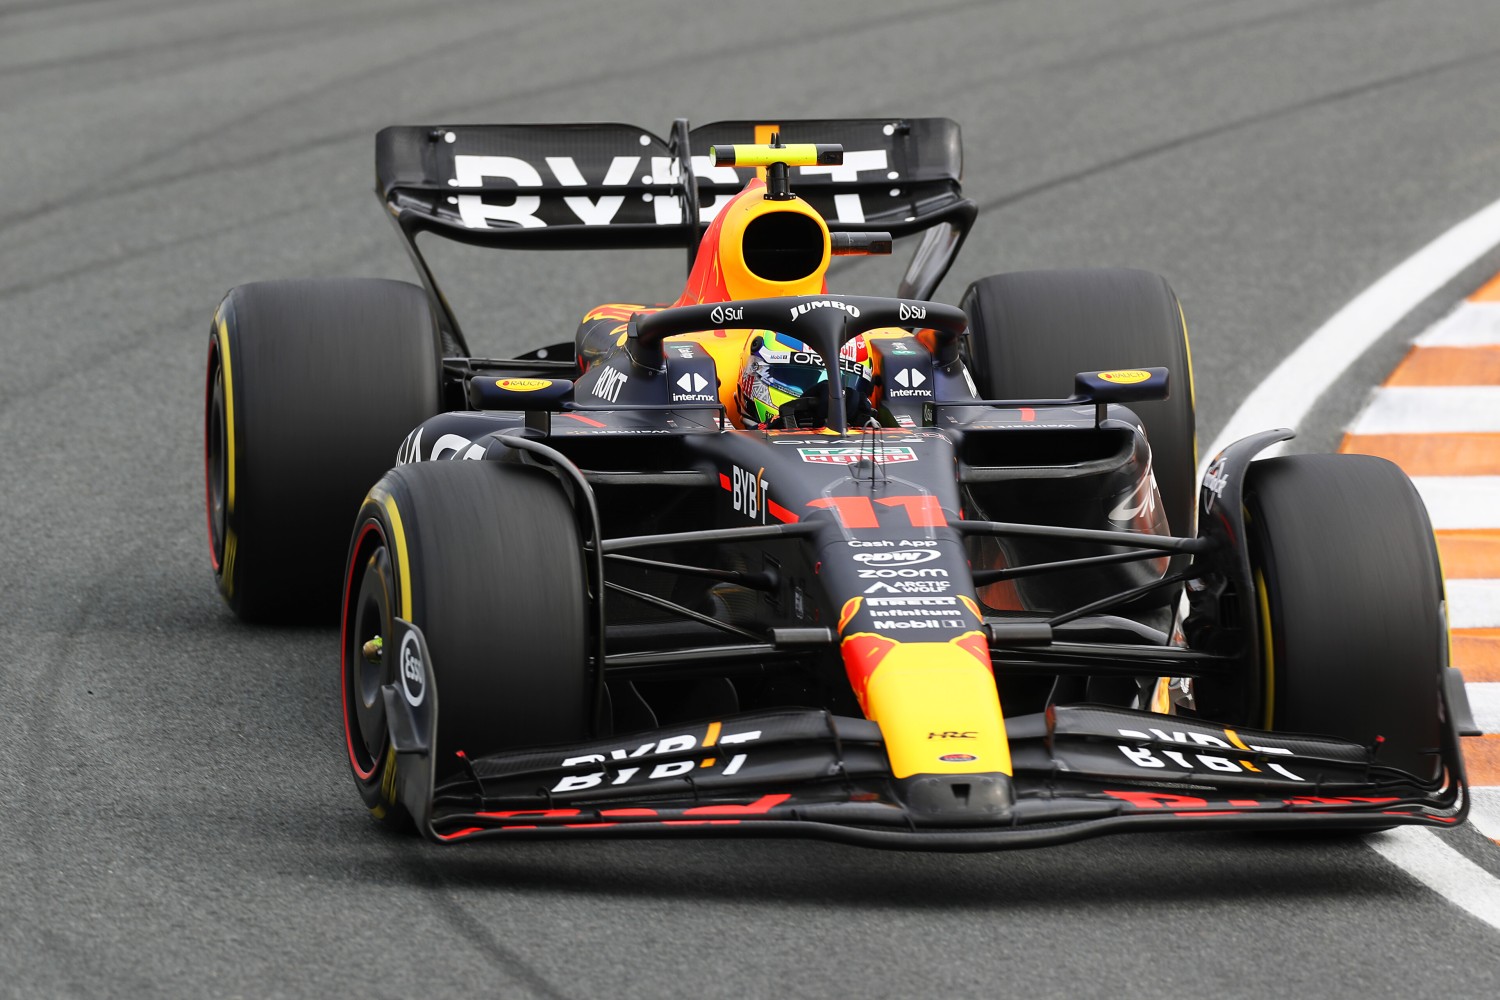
(727, 314)
(901, 557)
(413, 676)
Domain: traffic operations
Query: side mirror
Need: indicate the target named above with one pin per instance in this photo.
(489, 393)
(1122, 385)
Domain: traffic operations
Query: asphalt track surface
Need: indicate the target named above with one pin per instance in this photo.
(176, 816)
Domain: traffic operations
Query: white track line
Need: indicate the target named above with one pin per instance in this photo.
(1284, 399)
(1455, 502)
(1442, 869)
(1484, 812)
(1484, 699)
(1292, 388)
(1473, 603)
(1472, 324)
(1439, 409)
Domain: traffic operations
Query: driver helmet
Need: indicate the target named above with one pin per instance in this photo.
(782, 382)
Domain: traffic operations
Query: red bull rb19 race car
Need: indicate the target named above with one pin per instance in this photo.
(770, 559)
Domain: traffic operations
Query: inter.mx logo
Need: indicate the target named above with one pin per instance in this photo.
(909, 378)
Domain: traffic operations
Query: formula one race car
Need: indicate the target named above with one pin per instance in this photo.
(769, 559)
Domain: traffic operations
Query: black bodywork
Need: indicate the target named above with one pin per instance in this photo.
(722, 561)
(720, 575)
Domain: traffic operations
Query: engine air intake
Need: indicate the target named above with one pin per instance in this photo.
(783, 246)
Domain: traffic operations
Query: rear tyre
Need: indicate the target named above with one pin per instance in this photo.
(1032, 331)
(485, 558)
(312, 385)
(1353, 643)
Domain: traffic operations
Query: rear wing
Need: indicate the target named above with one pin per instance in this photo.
(613, 186)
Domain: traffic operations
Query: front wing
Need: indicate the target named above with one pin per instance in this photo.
(1077, 772)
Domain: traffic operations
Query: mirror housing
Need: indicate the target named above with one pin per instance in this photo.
(1122, 385)
(487, 392)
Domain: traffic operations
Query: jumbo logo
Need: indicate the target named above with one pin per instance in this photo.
(901, 557)
(1125, 376)
(523, 384)
(802, 309)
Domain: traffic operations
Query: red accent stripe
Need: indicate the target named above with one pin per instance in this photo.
(852, 512)
(582, 419)
(924, 511)
(777, 511)
(344, 654)
(764, 804)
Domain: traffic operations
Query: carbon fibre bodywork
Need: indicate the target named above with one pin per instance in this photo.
(954, 623)
(1077, 773)
(851, 546)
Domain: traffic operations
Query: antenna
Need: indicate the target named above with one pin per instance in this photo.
(777, 157)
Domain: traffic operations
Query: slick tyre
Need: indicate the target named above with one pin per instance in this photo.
(485, 558)
(1352, 636)
(311, 387)
(1032, 331)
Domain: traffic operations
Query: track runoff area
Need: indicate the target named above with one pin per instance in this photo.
(1437, 416)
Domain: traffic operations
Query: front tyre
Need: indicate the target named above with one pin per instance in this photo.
(485, 558)
(1352, 636)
